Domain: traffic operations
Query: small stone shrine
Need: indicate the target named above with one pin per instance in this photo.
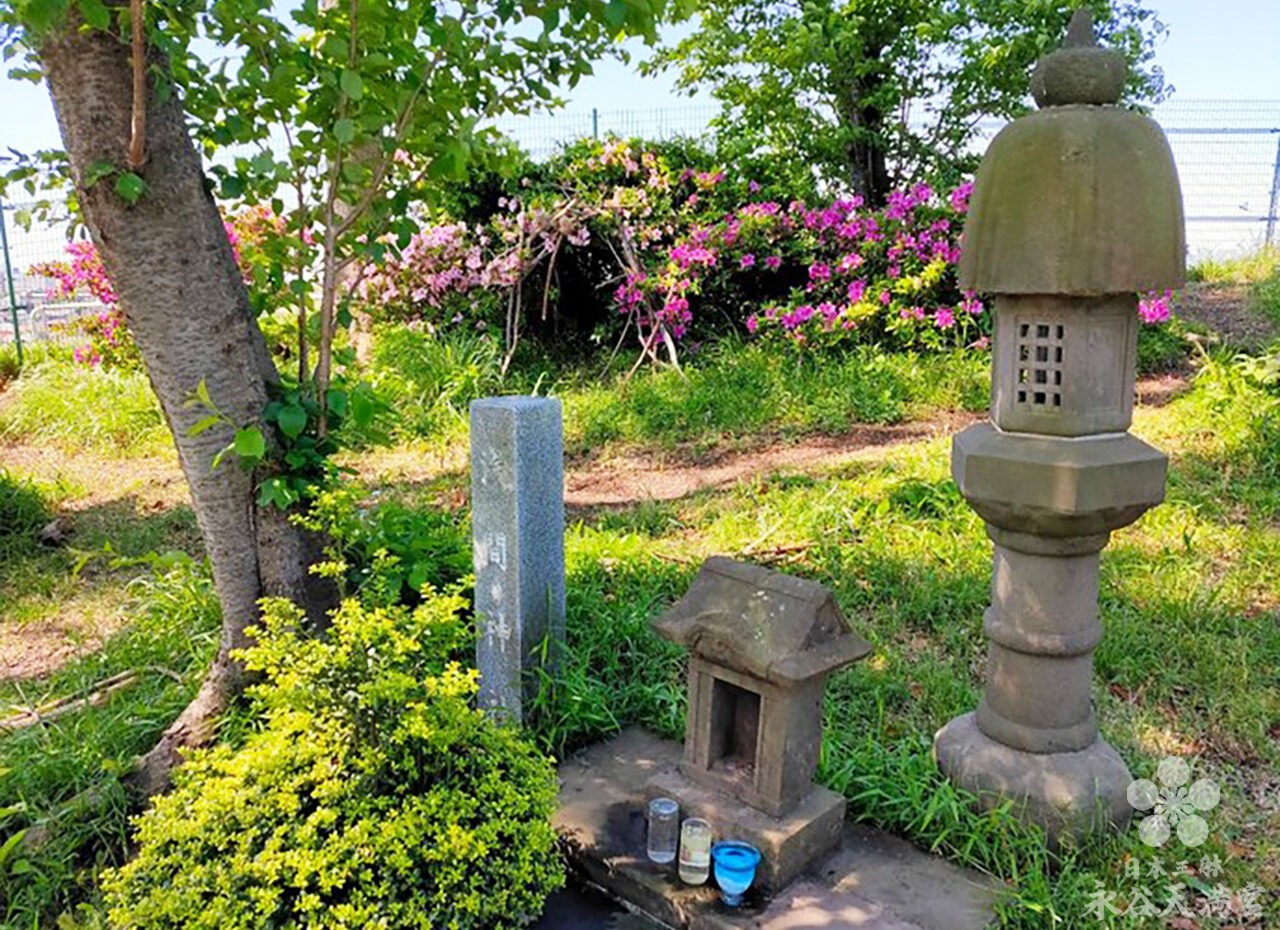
(761, 645)
(1076, 210)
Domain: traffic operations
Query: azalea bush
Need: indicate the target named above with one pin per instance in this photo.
(677, 249)
(620, 240)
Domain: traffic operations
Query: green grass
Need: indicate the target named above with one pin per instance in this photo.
(80, 408)
(429, 381)
(24, 510)
(65, 774)
(1189, 599)
(1245, 269)
(1259, 270)
(736, 391)
(729, 392)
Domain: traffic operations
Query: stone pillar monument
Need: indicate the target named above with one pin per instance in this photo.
(1076, 209)
(517, 523)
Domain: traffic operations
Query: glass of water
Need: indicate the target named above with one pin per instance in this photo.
(664, 830)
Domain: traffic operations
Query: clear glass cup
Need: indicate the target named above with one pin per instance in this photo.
(664, 830)
(695, 851)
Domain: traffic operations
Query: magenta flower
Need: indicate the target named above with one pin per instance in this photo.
(944, 318)
(773, 262)
(1155, 308)
(747, 261)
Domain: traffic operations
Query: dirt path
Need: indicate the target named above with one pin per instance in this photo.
(632, 478)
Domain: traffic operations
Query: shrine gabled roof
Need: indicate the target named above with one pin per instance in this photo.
(762, 623)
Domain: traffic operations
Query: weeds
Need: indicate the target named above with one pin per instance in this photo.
(84, 409)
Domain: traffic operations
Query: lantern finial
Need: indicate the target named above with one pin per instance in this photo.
(1081, 72)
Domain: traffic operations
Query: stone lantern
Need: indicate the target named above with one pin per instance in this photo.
(1076, 209)
(761, 645)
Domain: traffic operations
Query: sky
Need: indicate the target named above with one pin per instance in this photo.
(1219, 49)
(1216, 50)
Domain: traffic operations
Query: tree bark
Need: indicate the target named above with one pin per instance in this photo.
(183, 298)
(866, 150)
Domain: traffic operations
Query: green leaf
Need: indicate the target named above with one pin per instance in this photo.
(337, 401)
(130, 187)
(292, 420)
(351, 84)
(232, 187)
(344, 130)
(419, 575)
(615, 13)
(200, 397)
(95, 13)
(250, 445)
(362, 408)
(195, 429)
(11, 844)
(97, 171)
(451, 164)
(42, 15)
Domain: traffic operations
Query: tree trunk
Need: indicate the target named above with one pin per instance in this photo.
(864, 124)
(183, 298)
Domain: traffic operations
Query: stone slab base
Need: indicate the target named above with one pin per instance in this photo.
(1068, 793)
(870, 881)
(788, 844)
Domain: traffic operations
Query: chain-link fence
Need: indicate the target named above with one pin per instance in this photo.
(1227, 151)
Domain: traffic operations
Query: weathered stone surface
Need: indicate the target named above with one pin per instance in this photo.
(1068, 793)
(871, 881)
(788, 844)
(1064, 366)
(762, 644)
(1081, 71)
(517, 515)
(1075, 209)
(772, 626)
(1057, 487)
(1075, 200)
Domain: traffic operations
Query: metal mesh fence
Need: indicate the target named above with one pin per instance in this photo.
(1227, 152)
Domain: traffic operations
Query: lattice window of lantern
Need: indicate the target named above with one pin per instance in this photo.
(1040, 348)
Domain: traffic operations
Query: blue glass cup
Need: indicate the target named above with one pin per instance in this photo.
(735, 864)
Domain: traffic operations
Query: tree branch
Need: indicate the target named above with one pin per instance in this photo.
(138, 131)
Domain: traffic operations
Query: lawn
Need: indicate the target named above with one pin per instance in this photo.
(1189, 598)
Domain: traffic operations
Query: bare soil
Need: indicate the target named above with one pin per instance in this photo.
(35, 649)
(1226, 310)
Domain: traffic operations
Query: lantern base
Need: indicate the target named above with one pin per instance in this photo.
(1070, 794)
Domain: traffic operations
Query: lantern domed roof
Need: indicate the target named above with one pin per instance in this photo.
(1081, 197)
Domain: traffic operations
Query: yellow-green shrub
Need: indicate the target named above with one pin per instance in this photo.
(375, 796)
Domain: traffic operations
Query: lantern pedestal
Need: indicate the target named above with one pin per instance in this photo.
(1075, 211)
(1069, 793)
